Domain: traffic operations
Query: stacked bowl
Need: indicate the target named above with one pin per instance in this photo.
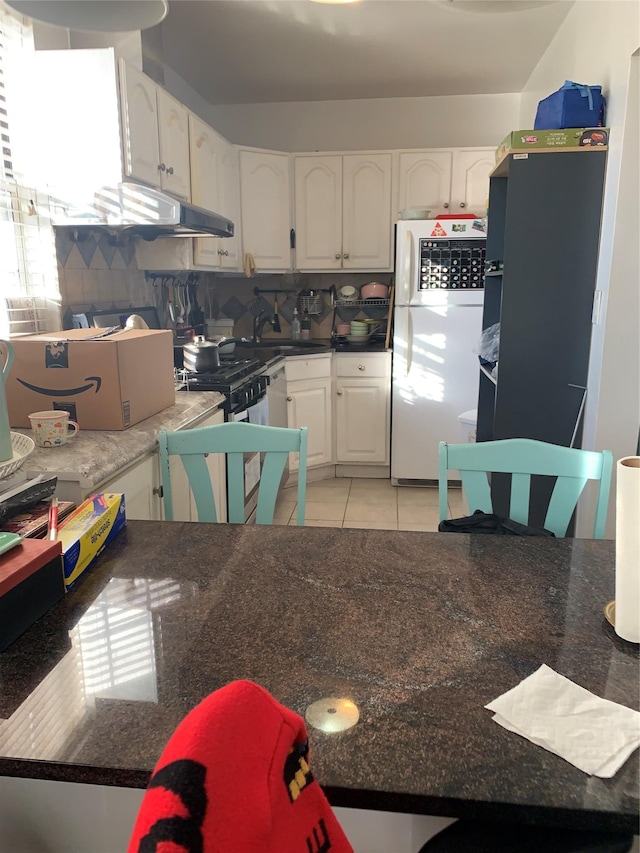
(360, 333)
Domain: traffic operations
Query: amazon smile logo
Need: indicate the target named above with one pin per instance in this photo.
(65, 392)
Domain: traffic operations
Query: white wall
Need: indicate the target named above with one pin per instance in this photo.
(455, 121)
(594, 45)
(50, 37)
(462, 120)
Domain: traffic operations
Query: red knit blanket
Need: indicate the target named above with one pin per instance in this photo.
(235, 778)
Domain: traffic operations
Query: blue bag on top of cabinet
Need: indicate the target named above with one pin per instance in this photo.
(574, 105)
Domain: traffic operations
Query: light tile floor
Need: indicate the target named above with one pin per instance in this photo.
(373, 504)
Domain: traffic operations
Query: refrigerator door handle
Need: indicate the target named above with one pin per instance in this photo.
(409, 342)
(405, 269)
(411, 271)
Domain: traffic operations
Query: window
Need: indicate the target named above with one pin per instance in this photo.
(29, 290)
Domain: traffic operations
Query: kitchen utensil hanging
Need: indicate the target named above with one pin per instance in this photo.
(276, 318)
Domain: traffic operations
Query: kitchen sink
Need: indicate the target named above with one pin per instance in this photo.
(282, 344)
(266, 351)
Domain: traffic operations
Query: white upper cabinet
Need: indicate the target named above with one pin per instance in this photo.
(470, 180)
(204, 146)
(451, 181)
(230, 247)
(112, 124)
(215, 187)
(173, 129)
(366, 212)
(343, 211)
(424, 180)
(318, 212)
(155, 128)
(265, 205)
(141, 144)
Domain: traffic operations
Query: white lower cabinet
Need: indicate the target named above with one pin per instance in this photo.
(309, 404)
(360, 385)
(184, 507)
(140, 485)
(363, 392)
(362, 407)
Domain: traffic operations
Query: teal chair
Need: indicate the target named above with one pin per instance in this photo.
(522, 457)
(234, 440)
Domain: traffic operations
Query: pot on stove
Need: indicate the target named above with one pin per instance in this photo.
(202, 355)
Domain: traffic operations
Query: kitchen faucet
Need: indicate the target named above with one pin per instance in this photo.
(259, 322)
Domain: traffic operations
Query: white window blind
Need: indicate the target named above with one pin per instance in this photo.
(29, 289)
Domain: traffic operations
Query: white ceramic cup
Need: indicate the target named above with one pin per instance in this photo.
(51, 429)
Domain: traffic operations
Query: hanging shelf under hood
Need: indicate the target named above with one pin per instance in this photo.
(135, 210)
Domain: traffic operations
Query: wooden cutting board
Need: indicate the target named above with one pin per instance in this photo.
(389, 317)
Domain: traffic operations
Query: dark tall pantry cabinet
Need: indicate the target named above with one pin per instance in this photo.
(544, 225)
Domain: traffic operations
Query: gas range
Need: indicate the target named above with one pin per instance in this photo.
(241, 380)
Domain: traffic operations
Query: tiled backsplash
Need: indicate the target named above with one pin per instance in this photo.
(235, 298)
(96, 275)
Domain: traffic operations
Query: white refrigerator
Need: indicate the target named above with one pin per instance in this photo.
(439, 278)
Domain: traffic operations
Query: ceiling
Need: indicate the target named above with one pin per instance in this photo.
(260, 51)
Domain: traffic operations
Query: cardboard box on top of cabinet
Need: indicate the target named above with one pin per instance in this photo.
(110, 383)
(573, 138)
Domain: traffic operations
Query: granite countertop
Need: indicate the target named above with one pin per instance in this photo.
(419, 630)
(95, 456)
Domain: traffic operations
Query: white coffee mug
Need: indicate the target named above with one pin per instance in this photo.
(51, 429)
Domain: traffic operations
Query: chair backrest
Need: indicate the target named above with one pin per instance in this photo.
(234, 439)
(522, 457)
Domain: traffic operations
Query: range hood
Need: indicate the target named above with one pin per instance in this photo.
(135, 210)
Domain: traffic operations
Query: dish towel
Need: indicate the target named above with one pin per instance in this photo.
(249, 265)
(259, 412)
(235, 778)
(594, 734)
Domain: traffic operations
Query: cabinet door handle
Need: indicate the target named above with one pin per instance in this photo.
(289, 399)
(157, 490)
(462, 204)
(170, 170)
(339, 393)
(446, 205)
(225, 253)
(346, 255)
(162, 167)
(361, 367)
(337, 256)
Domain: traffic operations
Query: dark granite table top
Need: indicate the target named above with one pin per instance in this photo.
(420, 630)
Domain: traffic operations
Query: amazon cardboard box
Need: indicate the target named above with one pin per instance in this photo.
(109, 383)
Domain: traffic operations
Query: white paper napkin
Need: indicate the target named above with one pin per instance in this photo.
(593, 734)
